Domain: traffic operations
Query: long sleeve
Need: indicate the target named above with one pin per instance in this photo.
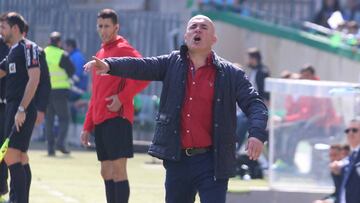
(67, 65)
(251, 104)
(151, 68)
(89, 122)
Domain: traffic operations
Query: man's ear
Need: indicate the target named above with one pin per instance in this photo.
(215, 39)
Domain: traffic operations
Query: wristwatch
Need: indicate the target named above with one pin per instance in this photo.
(21, 109)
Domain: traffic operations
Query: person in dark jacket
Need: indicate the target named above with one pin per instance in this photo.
(195, 130)
(350, 183)
(327, 9)
(258, 72)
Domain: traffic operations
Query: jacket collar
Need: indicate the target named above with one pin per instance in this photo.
(215, 58)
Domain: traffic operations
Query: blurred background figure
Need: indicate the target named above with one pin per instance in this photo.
(351, 10)
(257, 74)
(327, 9)
(336, 155)
(80, 78)
(61, 69)
(350, 184)
(308, 73)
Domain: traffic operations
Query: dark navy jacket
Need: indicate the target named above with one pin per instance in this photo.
(231, 87)
(351, 181)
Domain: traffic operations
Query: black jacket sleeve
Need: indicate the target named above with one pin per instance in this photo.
(66, 64)
(252, 105)
(43, 91)
(150, 68)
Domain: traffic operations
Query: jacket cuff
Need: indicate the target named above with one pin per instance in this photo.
(260, 134)
(108, 62)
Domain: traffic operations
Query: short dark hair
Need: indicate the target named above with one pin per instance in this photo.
(13, 18)
(26, 28)
(71, 43)
(255, 53)
(346, 147)
(308, 68)
(336, 146)
(108, 13)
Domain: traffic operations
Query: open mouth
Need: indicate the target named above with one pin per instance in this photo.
(197, 39)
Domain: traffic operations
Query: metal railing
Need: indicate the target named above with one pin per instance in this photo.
(283, 12)
(291, 9)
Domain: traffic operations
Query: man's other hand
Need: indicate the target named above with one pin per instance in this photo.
(254, 148)
(85, 138)
(115, 104)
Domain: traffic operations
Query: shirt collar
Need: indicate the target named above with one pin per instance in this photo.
(14, 46)
(356, 149)
(209, 59)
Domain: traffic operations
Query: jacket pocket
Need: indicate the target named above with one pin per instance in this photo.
(161, 129)
(162, 118)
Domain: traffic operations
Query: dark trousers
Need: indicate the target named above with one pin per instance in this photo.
(191, 175)
(58, 106)
(3, 167)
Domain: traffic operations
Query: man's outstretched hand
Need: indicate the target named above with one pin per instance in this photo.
(101, 66)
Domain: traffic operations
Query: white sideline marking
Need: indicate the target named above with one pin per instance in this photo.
(56, 193)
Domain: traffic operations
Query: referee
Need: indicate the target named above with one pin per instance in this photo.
(21, 68)
(41, 99)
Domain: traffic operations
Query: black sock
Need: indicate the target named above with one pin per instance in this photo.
(110, 191)
(122, 191)
(12, 197)
(18, 177)
(3, 178)
(28, 178)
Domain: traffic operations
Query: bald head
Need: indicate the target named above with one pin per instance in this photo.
(200, 34)
(201, 18)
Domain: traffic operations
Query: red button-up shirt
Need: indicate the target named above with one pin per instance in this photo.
(197, 111)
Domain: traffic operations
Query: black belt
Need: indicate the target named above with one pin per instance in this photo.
(196, 151)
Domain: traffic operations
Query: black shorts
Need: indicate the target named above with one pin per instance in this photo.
(113, 139)
(20, 140)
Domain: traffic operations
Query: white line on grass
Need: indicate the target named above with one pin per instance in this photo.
(56, 193)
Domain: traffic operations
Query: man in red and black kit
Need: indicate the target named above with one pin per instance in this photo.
(195, 126)
(111, 111)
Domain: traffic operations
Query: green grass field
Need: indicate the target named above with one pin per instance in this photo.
(76, 179)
